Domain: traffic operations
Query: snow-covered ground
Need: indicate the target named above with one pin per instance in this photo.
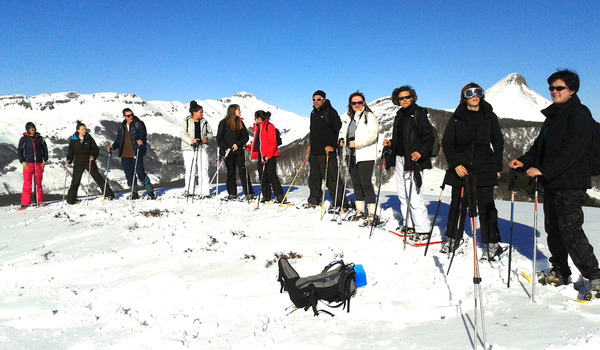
(171, 274)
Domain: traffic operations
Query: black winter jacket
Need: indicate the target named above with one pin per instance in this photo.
(414, 136)
(474, 140)
(30, 146)
(226, 138)
(560, 152)
(137, 131)
(81, 150)
(325, 126)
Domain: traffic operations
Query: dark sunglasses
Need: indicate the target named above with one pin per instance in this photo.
(404, 98)
(357, 103)
(318, 99)
(557, 88)
(128, 115)
(470, 93)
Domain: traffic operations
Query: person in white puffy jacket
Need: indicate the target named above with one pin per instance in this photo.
(195, 132)
(359, 129)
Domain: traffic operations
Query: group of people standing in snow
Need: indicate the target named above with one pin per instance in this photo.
(472, 143)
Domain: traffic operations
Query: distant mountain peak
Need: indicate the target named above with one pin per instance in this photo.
(244, 94)
(512, 98)
(514, 78)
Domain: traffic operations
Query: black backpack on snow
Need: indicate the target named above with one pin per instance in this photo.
(334, 285)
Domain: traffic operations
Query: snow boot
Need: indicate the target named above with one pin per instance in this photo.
(491, 251)
(554, 277)
(450, 246)
(360, 211)
(595, 285)
(150, 190)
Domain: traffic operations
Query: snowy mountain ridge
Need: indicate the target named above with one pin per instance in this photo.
(55, 115)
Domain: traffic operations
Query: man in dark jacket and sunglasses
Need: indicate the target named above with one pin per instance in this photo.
(559, 158)
(132, 146)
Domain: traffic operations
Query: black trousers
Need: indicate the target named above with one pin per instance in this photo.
(78, 169)
(269, 179)
(361, 174)
(317, 174)
(488, 215)
(563, 223)
(232, 162)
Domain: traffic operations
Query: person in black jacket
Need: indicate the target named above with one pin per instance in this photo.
(411, 146)
(132, 145)
(83, 152)
(232, 134)
(325, 126)
(473, 146)
(33, 154)
(559, 158)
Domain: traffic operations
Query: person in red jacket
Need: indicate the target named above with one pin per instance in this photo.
(264, 149)
(33, 154)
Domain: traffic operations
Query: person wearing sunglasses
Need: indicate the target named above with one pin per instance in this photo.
(411, 146)
(132, 146)
(325, 126)
(473, 145)
(359, 128)
(559, 158)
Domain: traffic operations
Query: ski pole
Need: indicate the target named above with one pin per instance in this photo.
(216, 172)
(471, 188)
(262, 179)
(408, 211)
(35, 186)
(133, 180)
(248, 181)
(87, 191)
(458, 225)
(200, 171)
(511, 187)
(191, 172)
(337, 182)
(324, 184)
(106, 175)
(195, 160)
(219, 166)
(535, 217)
(443, 186)
(65, 185)
(383, 152)
(295, 176)
(349, 151)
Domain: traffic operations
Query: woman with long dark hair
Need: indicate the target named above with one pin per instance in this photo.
(232, 134)
(473, 146)
(360, 131)
(83, 151)
(265, 150)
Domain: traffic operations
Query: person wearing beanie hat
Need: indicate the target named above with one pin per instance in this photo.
(33, 154)
(325, 126)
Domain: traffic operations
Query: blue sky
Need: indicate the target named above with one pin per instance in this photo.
(282, 51)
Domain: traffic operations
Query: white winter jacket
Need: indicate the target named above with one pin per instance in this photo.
(366, 135)
(187, 132)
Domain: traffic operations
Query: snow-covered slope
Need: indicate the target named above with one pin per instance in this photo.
(55, 116)
(169, 275)
(512, 98)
